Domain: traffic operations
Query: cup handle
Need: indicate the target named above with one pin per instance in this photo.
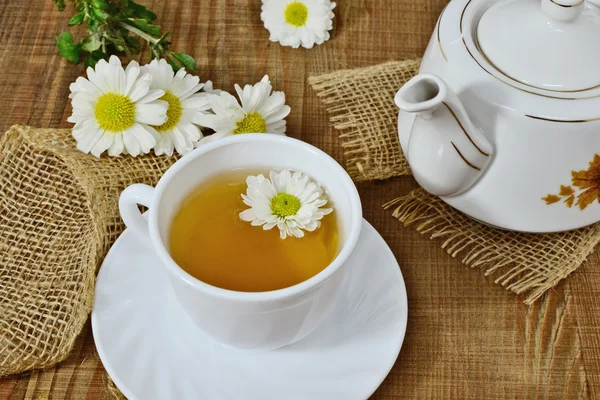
(130, 213)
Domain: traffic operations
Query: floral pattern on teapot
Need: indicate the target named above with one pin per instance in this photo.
(587, 187)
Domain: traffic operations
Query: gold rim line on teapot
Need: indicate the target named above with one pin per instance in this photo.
(568, 121)
(567, 5)
(438, 33)
(465, 132)
(476, 41)
(462, 36)
(463, 157)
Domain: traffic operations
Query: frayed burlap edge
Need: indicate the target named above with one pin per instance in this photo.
(40, 319)
(523, 263)
(361, 107)
(42, 169)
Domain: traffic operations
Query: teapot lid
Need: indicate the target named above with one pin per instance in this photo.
(553, 45)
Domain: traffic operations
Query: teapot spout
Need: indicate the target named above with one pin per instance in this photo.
(446, 152)
(423, 94)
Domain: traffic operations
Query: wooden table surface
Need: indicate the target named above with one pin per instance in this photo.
(467, 338)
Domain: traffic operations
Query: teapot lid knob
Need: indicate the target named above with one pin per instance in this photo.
(563, 10)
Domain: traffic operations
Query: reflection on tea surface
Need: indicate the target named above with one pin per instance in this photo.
(210, 242)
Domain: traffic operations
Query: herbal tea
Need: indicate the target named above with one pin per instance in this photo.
(210, 241)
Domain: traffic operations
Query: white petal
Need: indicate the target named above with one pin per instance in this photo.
(191, 131)
(182, 144)
(277, 128)
(117, 145)
(120, 84)
(270, 225)
(164, 145)
(154, 113)
(140, 87)
(102, 144)
(153, 94)
(143, 136)
(278, 115)
(85, 127)
(210, 138)
(183, 87)
(114, 60)
(81, 113)
(252, 97)
(224, 103)
(131, 144)
(162, 74)
(86, 142)
(208, 88)
(131, 74)
(198, 102)
(82, 84)
(247, 215)
(80, 97)
(218, 123)
(152, 131)
(95, 79)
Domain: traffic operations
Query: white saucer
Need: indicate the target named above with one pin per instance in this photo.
(152, 350)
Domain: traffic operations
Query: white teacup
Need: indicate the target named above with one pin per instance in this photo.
(257, 320)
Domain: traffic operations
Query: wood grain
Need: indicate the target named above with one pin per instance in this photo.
(467, 338)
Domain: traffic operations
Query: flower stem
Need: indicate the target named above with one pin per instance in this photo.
(121, 41)
(138, 32)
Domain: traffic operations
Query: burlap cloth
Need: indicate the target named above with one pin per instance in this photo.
(58, 218)
(361, 105)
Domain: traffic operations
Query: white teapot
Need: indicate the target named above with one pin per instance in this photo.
(503, 120)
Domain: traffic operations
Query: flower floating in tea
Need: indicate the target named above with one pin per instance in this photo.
(114, 108)
(288, 200)
(300, 22)
(180, 131)
(260, 112)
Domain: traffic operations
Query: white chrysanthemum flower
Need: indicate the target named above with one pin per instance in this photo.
(179, 132)
(260, 112)
(114, 108)
(298, 22)
(289, 201)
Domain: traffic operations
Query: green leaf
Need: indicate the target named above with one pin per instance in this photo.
(97, 14)
(141, 12)
(93, 25)
(77, 19)
(188, 61)
(60, 4)
(90, 44)
(162, 39)
(93, 58)
(99, 4)
(174, 66)
(145, 26)
(133, 44)
(67, 48)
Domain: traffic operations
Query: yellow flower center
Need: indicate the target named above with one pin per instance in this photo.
(251, 123)
(114, 112)
(296, 14)
(173, 112)
(284, 204)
